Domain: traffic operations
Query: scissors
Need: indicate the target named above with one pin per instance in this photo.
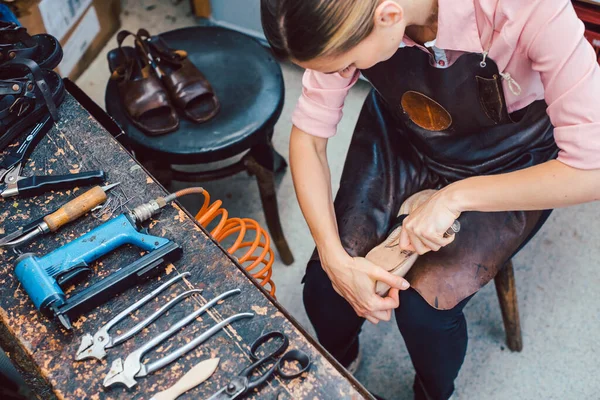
(242, 384)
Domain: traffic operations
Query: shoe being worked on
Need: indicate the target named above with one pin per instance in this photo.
(388, 254)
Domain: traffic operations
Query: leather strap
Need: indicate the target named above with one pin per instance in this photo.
(38, 77)
(143, 95)
(159, 46)
(7, 87)
(10, 31)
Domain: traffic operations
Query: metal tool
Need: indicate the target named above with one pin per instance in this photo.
(195, 376)
(56, 219)
(11, 166)
(95, 346)
(242, 384)
(125, 372)
(41, 277)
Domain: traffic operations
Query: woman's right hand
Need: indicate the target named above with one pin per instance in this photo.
(354, 279)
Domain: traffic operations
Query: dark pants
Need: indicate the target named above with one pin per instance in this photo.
(436, 339)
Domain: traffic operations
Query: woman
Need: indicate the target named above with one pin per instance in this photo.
(493, 102)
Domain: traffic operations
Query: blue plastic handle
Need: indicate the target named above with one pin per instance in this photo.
(97, 243)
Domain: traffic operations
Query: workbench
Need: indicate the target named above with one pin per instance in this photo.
(44, 352)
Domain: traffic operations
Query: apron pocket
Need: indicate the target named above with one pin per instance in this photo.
(425, 112)
(490, 98)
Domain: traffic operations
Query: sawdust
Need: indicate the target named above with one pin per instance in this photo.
(260, 310)
(181, 217)
(170, 268)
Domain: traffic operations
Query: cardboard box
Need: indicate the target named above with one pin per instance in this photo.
(83, 27)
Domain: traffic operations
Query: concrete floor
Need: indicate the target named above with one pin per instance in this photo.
(557, 274)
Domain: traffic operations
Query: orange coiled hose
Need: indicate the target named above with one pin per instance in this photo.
(251, 243)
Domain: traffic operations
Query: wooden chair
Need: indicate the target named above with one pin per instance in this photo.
(507, 296)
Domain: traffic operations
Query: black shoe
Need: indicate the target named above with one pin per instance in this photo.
(27, 94)
(16, 44)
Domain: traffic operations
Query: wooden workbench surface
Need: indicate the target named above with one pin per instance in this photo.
(45, 352)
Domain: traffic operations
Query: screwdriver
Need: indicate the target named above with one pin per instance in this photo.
(53, 221)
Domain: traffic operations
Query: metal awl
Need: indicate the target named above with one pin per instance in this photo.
(53, 221)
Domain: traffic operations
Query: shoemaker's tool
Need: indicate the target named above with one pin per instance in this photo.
(95, 346)
(243, 384)
(12, 184)
(41, 277)
(53, 221)
(125, 372)
(195, 376)
(404, 259)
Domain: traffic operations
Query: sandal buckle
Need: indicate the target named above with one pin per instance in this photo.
(21, 104)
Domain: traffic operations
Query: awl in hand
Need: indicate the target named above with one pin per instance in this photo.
(53, 221)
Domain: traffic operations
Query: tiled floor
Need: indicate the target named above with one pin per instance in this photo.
(557, 274)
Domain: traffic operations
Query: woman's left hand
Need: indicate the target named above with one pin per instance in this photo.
(423, 230)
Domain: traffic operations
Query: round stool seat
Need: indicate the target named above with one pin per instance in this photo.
(248, 83)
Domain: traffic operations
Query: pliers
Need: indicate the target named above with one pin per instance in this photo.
(12, 184)
(95, 346)
(125, 372)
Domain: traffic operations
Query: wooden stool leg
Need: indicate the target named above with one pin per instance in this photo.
(507, 296)
(266, 187)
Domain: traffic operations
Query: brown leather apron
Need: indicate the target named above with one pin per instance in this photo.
(405, 142)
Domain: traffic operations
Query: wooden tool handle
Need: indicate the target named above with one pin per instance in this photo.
(195, 376)
(75, 208)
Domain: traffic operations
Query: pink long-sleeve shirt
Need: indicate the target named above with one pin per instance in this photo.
(540, 43)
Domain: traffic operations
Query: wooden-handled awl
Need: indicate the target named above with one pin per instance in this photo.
(195, 376)
(52, 222)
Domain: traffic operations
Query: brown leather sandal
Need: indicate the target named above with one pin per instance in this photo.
(188, 87)
(143, 96)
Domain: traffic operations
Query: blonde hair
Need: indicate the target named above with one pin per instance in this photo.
(307, 29)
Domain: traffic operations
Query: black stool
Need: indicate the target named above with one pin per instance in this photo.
(249, 84)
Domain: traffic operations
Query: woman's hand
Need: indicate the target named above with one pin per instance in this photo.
(354, 279)
(423, 230)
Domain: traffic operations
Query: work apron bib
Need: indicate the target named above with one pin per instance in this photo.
(423, 128)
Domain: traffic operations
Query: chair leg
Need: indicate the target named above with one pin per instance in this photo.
(507, 296)
(265, 154)
(266, 187)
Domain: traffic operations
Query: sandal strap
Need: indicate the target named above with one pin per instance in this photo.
(127, 69)
(13, 33)
(13, 87)
(144, 95)
(161, 47)
(10, 52)
(40, 82)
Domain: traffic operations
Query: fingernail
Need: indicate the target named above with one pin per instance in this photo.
(405, 285)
